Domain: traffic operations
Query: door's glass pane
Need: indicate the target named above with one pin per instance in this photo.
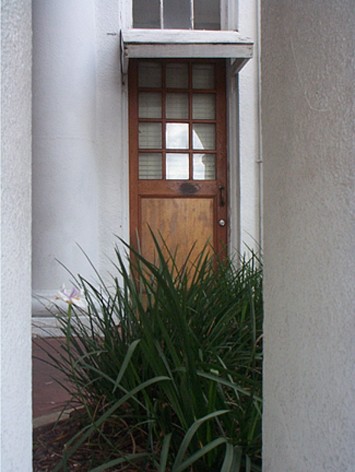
(149, 105)
(204, 167)
(203, 76)
(207, 14)
(150, 136)
(149, 74)
(177, 14)
(177, 106)
(146, 14)
(150, 166)
(177, 136)
(203, 136)
(203, 107)
(177, 76)
(177, 166)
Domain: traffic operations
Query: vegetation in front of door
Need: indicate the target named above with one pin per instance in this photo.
(167, 365)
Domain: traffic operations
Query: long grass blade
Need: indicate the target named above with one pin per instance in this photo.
(190, 433)
(128, 458)
(197, 455)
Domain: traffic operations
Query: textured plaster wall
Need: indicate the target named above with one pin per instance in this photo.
(308, 112)
(15, 320)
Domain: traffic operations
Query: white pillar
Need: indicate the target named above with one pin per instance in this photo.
(309, 149)
(65, 189)
(249, 132)
(15, 295)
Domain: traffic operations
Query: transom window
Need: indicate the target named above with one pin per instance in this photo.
(177, 120)
(181, 14)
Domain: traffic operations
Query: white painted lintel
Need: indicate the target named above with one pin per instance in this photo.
(176, 44)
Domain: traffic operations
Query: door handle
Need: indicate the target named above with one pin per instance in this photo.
(221, 196)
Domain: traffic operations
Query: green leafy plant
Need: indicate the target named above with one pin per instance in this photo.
(170, 357)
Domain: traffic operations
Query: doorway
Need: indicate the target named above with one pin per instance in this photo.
(178, 168)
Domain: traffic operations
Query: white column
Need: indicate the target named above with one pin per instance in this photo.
(308, 111)
(15, 206)
(65, 164)
(249, 132)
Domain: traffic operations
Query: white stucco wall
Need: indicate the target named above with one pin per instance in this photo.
(308, 112)
(15, 295)
(112, 127)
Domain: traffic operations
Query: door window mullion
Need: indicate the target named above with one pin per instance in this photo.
(162, 14)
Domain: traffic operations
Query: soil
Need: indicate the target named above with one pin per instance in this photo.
(50, 444)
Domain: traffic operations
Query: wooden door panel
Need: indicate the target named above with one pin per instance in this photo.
(183, 223)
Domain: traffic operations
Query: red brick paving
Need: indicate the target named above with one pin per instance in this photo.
(47, 395)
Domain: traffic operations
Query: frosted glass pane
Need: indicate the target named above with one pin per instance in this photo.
(146, 14)
(203, 76)
(203, 107)
(203, 136)
(150, 135)
(207, 14)
(177, 166)
(177, 76)
(177, 14)
(177, 105)
(149, 74)
(149, 105)
(204, 167)
(150, 166)
(177, 136)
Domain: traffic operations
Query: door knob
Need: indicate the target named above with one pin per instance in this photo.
(222, 222)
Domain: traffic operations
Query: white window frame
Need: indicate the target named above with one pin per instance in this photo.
(229, 15)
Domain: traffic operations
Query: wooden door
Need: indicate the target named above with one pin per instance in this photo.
(178, 171)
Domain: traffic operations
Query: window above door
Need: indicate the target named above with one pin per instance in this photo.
(184, 29)
(182, 14)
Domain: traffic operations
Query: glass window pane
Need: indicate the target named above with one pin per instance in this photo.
(207, 14)
(150, 136)
(177, 166)
(146, 14)
(177, 105)
(203, 136)
(177, 76)
(150, 166)
(203, 76)
(149, 105)
(149, 74)
(204, 167)
(177, 136)
(203, 107)
(177, 14)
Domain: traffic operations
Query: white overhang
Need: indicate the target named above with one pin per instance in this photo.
(154, 43)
